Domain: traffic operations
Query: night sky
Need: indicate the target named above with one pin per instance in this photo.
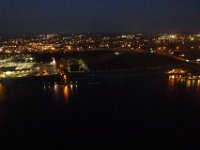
(81, 16)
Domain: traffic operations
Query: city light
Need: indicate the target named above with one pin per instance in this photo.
(85, 42)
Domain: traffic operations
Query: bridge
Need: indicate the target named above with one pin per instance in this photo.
(75, 66)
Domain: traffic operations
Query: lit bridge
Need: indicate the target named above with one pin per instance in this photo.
(75, 65)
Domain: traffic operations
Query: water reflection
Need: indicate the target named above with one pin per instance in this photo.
(171, 82)
(198, 83)
(2, 92)
(66, 93)
(188, 84)
(56, 88)
(61, 91)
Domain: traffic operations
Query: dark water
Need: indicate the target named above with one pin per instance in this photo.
(143, 113)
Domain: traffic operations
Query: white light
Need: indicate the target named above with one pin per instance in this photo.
(117, 53)
(8, 72)
(54, 62)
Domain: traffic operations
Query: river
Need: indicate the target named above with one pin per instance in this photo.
(140, 112)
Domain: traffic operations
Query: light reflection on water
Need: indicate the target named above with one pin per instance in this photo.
(66, 93)
(58, 91)
(61, 91)
(171, 82)
(2, 92)
(187, 84)
(2, 99)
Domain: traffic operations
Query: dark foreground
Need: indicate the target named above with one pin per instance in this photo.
(139, 112)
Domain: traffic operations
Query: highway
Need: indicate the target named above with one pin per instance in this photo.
(178, 58)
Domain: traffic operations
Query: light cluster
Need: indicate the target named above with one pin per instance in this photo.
(83, 42)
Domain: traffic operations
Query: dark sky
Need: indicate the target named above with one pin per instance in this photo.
(75, 16)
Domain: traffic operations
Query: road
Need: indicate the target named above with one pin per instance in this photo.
(178, 58)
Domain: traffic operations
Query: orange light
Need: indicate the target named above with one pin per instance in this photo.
(188, 84)
(198, 83)
(66, 93)
(2, 92)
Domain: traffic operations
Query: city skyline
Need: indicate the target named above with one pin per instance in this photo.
(100, 16)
